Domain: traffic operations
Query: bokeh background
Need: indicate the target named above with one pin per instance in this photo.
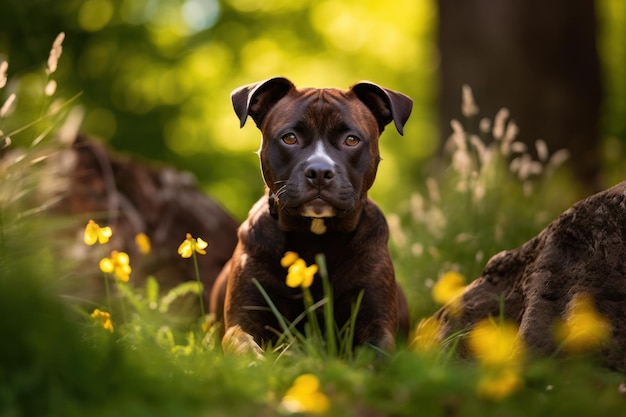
(153, 79)
(155, 75)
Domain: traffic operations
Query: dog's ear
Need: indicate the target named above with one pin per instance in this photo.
(385, 104)
(256, 99)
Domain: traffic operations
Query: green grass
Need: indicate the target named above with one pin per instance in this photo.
(56, 360)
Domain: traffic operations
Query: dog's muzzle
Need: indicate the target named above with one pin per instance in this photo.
(319, 174)
(317, 209)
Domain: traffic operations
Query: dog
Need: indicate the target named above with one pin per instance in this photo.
(319, 157)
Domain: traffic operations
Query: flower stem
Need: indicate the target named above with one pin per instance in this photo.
(329, 314)
(201, 292)
(2, 240)
(108, 293)
(316, 333)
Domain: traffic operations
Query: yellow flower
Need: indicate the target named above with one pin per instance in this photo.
(305, 396)
(501, 352)
(118, 264)
(191, 245)
(499, 385)
(449, 286)
(143, 243)
(496, 345)
(426, 335)
(289, 259)
(185, 350)
(208, 322)
(300, 275)
(105, 319)
(584, 329)
(94, 233)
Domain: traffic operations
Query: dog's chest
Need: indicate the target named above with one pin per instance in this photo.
(336, 247)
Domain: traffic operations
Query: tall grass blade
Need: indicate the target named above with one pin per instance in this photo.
(281, 320)
(329, 314)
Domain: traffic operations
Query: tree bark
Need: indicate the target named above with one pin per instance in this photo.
(538, 59)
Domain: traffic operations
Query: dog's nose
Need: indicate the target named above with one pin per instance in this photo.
(319, 174)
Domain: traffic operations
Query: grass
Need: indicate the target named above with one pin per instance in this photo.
(55, 359)
(490, 194)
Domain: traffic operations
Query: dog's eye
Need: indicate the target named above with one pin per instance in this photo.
(352, 141)
(290, 139)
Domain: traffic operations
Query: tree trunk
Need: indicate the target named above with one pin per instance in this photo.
(538, 59)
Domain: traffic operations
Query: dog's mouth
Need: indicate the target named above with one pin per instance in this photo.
(317, 209)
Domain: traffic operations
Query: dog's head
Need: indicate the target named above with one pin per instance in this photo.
(319, 154)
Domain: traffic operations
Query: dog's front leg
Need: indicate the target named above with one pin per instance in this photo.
(376, 325)
(239, 342)
(248, 319)
(377, 319)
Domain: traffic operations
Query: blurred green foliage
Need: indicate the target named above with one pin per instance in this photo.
(612, 50)
(156, 76)
(56, 361)
(154, 79)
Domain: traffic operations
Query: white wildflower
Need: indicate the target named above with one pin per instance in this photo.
(499, 123)
(4, 66)
(514, 166)
(417, 249)
(542, 150)
(51, 88)
(395, 230)
(417, 207)
(464, 237)
(69, 130)
(535, 168)
(479, 191)
(511, 132)
(433, 190)
(55, 53)
(528, 167)
(557, 159)
(457, 127)
(484, 125)
(509, 136)
(462, 162)
(458, 135)
(518, 147)
(481, 149)
(4, 110)
(437, 222)
(468, 106)
(434, 252)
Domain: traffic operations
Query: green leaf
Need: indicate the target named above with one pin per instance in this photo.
(185, 288)
(152, 292)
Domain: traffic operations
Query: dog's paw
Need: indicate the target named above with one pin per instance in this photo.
(237, 341)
